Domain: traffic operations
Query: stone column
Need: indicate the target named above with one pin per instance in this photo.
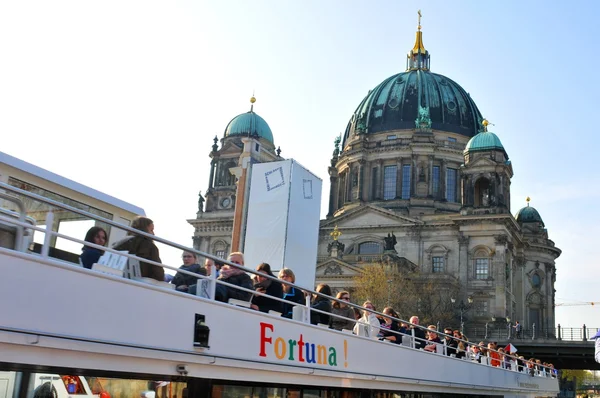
(348, 194)
(212, 174)
(361, 171)
(333, 179)
(430, 184)
(463, 260)
(443, 178)
(399, 178)
(380, 190)
(414, 176)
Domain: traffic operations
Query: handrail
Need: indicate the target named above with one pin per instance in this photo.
(22, 215)
(21, 224)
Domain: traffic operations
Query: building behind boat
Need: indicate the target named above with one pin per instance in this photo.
(418, 181)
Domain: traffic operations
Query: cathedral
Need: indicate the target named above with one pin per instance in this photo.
(417, 177)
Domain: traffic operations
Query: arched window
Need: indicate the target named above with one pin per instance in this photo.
(482, 193)
(220, 249)
(369, 248)
(481, 265)
(536, 281)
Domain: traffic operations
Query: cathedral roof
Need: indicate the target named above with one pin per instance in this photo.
(249, 124)
(397, 102)
(529, 214)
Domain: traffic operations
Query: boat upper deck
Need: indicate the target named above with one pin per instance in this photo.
(57, 314)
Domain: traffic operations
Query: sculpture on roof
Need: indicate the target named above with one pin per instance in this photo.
(423, 119)
(390, 242)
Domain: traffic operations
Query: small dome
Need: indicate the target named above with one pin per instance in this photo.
(529, 214)
(484, 141)
(249, 124)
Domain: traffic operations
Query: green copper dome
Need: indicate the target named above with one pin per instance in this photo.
(394, 105)
(249, 124)
(484, 141)
(529, 214)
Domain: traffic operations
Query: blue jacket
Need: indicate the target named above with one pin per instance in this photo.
(294, 296)
(89, 256)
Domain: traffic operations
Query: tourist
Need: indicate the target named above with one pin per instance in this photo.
(342, 309)
(321, 303)
(267, 286)
(143, 247)
(419, 333)
(433, 339)
(291, 294)
(461, 349)
(450, 343)
(390, 329)
(368, 324)
(495, 358)
(183, 281)
(517, 326)
(210, 264)
(90, 255)
(475, 353)
(235, 276)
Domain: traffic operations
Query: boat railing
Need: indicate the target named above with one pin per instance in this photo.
(304, 315)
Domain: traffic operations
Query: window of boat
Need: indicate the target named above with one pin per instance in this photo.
(38, 210)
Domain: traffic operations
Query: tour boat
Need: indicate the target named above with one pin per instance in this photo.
(67, 331)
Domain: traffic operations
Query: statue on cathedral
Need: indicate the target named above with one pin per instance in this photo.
(390, 242)
(200, 203)
(336, 145)
(423, 119)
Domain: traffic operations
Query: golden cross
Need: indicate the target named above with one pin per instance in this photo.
(419, 12)
(336, 233)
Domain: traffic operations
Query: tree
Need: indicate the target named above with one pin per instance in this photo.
(576, 375)
(408, 293)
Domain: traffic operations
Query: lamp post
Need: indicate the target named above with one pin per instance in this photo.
(462, 307)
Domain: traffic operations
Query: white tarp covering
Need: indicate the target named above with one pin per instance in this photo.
(282, 226)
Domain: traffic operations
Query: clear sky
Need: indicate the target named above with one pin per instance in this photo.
(126, 96)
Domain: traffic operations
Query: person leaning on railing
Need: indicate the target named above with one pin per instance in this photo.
(367, 325)
(321, 303)
(433, 339)
(235, 276)
(342, 309)
(291, 294)
(266, 286)
(419, 333)
(143, 247)
(389, 329)
(183, 281)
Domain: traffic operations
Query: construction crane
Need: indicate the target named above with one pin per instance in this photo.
(592, 303)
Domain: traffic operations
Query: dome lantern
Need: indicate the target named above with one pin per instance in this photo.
(418, 57)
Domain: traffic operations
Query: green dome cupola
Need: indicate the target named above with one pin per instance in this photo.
(484, 141)
(249, 124)
(529, 214)
(413, 95)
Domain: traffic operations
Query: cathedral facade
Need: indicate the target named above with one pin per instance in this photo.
(417, 176)
(417, 163)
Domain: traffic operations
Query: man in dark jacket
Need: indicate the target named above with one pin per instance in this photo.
(235, 276)
(419, 333)
(183, 281)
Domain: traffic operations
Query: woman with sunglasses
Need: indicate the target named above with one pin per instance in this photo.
(342, 309)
